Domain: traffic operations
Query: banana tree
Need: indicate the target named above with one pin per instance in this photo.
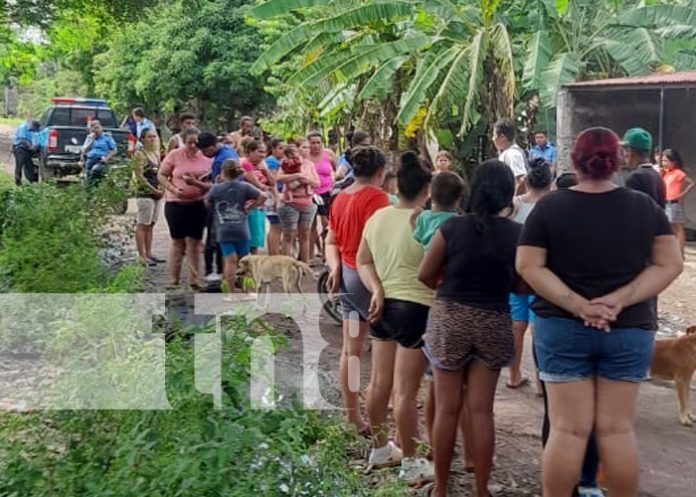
(446, 57)
(345, 52)
(467, 72)
(587, 39)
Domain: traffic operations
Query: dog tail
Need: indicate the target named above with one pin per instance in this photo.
(305, 269)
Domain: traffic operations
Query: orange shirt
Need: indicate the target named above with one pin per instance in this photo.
(349, 213)
(674, 182)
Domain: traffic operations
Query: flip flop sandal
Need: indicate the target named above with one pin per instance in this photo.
(523, 382)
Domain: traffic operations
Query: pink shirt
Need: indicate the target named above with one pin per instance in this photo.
(260, 176)
(300, 198)
(325, 172)
(177, 164)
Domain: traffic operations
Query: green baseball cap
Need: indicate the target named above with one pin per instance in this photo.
(638, 139)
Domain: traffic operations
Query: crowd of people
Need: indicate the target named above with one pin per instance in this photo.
(578, 257)
(446, 293)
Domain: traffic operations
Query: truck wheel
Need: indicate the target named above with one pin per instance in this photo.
(46, 173)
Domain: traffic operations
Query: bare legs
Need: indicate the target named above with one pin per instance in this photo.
(194, 248)
(480, 393)
(287, 243)
(176, 258)
(230, 271)
(519, 328)
(274, 238)
(380, 389)
(409, 369)
(141, 240)
(678, 229)
(189, 249)
(303, 234)
(571, 413)
(448, 395)
(354, 333)
(618, 448)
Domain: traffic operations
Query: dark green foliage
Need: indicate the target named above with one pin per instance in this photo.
(188, 54)
(192, 450)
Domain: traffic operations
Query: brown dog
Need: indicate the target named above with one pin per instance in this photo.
(675, 359)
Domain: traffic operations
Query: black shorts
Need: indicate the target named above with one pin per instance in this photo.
(323, 210)
(402, 321)
(186, 219)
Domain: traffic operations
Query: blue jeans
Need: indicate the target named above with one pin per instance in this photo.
(94, 170)
(569, 351)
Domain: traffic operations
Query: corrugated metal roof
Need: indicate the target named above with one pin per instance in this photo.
(685, 78)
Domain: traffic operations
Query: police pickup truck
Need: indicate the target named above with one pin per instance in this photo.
(64, 127)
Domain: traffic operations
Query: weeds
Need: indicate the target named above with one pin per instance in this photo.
(192, 450)
(48, 243)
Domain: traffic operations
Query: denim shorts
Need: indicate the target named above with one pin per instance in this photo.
(354, 298)
(521, 308)
(292, 217)
(240, 248)
(568, 351)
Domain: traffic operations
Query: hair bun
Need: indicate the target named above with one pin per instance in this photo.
(410, 159)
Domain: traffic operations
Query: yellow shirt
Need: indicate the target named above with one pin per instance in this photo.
(396, 255)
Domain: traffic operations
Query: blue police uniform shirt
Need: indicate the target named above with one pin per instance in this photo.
(548, 153)
(23, 132)
(273, 165)
(225, 153)
(101, 146)
(143, 125)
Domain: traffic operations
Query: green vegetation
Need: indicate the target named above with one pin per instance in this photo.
(10, 121)
(6, 182)
(190, 450)
(163, 55)
(450, 67)
(48, 243)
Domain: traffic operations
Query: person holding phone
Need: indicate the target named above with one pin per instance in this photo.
(181, 174)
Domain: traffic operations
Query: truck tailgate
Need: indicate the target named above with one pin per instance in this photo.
(71, 139)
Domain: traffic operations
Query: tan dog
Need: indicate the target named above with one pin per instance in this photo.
(675, 359)
(264, 269)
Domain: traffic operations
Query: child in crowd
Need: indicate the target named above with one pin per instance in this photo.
(447, 189)
(443, 162)
(389, 187)
(292, 164)
(230, 202)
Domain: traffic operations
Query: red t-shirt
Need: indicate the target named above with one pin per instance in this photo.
(349, 213)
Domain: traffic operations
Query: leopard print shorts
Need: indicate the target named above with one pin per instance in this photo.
(458, 333)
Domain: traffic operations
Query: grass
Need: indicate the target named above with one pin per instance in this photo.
(6, 180)
(47, 244)
(10, 121)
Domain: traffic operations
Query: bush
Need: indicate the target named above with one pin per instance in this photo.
(192, 450)
(48, 238)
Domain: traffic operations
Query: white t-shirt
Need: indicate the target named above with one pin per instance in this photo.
(515, 159)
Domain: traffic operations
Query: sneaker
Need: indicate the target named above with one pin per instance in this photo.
(416, 470)
(389, 455)
(212, 278)
(590, 492)
(158, 260)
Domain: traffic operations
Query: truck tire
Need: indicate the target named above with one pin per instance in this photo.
(46, 173)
